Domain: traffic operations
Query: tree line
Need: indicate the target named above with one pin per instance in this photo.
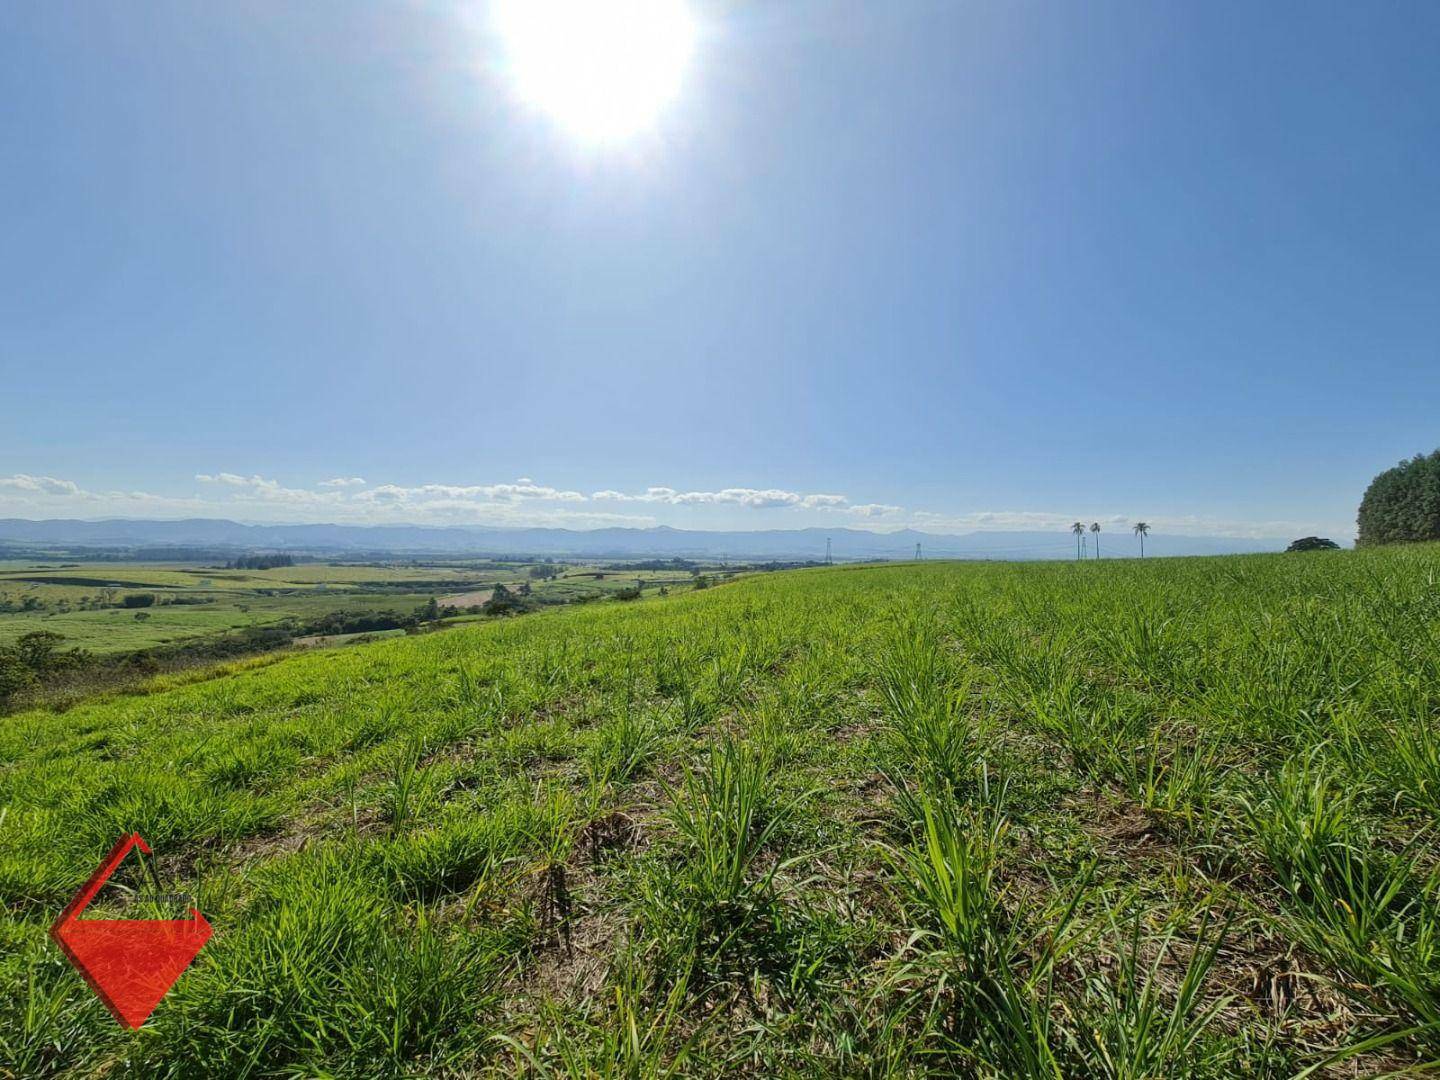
(1141, 529)
(260, 562)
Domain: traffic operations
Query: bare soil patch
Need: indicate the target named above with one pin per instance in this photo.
(466, 599)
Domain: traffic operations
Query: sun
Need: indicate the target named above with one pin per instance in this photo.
(602, 69)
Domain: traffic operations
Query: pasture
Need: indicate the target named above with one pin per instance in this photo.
(83, 602)
(1118, 819)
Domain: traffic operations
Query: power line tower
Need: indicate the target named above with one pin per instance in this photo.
(917, 552)
(828, 560)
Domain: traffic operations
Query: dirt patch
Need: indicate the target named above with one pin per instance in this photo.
(605, 836)
(1121, 828)
(320, 641)
(466, 599)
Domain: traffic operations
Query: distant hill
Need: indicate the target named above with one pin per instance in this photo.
(846, 544)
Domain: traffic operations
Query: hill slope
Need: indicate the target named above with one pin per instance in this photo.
(825, 821)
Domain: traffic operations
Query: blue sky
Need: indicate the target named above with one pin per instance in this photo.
(949, 265)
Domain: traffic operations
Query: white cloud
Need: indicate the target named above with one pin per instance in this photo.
(528, 489)
(526, 502)
(345, 500)
(753, 498)
(39, 485)
(260, 489)
(517, 492)
(654, 495)
(823, 502)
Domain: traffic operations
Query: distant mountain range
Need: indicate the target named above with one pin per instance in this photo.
(846, 544)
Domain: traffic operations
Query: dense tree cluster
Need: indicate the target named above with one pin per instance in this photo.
(1403, 503)
(260, 562)
(1313, 543)
(362, 622)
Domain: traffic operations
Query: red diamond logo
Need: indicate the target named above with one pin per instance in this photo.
(130, 963)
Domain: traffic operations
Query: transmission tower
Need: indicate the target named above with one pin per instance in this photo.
(828, 560)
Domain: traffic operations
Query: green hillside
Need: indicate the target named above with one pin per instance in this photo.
(1133, 818)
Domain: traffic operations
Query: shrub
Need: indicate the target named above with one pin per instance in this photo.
(139, 599)
(504, 602)
(15, 675)
(1313, 543)
(34, 657)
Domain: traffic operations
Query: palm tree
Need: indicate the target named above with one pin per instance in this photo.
(1095, 528)
(1079, 531)
(1142, 530)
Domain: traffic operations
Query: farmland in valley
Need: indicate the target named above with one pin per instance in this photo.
(85, 602)
(1126, 819)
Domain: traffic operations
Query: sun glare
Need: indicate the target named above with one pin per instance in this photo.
(603, 69)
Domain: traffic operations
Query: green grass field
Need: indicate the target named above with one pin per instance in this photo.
(1123, 819)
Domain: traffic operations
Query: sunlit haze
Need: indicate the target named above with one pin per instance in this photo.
(603, 69)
